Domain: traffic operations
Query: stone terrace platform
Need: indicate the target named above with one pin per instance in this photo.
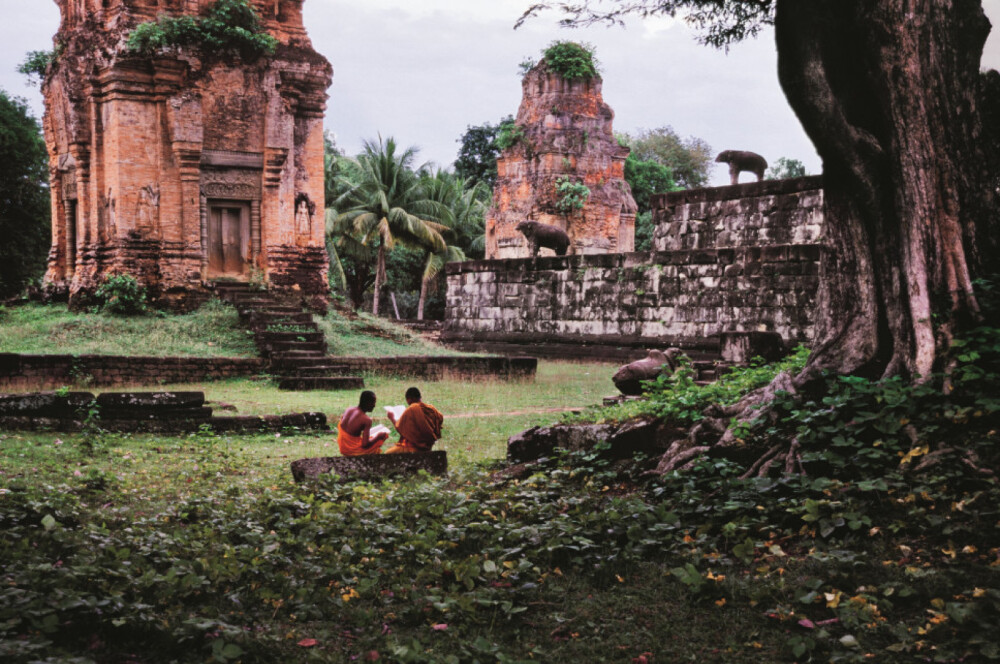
(33, 372)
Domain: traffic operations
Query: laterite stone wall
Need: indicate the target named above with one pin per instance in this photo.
(740, 258)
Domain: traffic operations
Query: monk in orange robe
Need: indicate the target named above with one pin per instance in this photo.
(419, 426)
(354, 429)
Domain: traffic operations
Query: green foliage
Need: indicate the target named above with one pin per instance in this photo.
(36, 65)
(644, 228)
(24, 197)
(573, 195)
(382, 203)
(677, 398)
(510, 134)
(784, 168)
(646, 179)
(121, 295)
(526, 65)
(231, 26)
(571, 60)
(477, 157)
(882, 552)
(689, 160)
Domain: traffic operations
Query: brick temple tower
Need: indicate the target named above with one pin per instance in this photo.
(186, 165)
(562, 131)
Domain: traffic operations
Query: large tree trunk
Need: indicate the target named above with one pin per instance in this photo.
(887, 91)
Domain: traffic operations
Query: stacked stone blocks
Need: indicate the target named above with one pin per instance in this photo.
(743, 258)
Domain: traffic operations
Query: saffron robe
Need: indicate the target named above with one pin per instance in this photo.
(352, 446)
(419, 428)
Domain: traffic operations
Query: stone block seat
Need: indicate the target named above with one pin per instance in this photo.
(289, 339)
(372, 466)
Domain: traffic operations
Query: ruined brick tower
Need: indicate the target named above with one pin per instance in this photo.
(562, 131)
(187, 165)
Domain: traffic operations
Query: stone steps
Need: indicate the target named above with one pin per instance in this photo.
(297, 356)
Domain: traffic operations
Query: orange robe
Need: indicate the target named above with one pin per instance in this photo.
(351, 445)
(419, 428)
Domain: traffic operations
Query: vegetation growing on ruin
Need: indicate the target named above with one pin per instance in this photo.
(227, 26)
(510, 135)
(571, 60)
(36, 64)
(122, 295)
(572, 195)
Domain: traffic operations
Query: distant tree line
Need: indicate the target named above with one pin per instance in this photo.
(24, 198)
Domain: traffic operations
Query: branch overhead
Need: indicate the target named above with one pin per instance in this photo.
(720, 22)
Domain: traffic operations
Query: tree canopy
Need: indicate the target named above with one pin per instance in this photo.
(689, 159)
(477, 157)
(24, 197)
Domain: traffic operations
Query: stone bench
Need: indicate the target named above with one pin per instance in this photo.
(371, 466)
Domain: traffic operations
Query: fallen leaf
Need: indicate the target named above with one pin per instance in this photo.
(308, 643)
(440, 627)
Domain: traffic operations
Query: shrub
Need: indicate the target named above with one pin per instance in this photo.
(122, 295)
(36, 64)
(510, 135)
(228, 25)
(571, 60)
(574, 195)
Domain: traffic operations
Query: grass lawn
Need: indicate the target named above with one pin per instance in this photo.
(211, 331)
(214, 330)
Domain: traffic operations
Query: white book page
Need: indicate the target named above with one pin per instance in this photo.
(397, 411)
(376, 430)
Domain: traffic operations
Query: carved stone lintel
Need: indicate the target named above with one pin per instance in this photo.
(231, 184)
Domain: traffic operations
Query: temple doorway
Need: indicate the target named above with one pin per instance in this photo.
(228, 238)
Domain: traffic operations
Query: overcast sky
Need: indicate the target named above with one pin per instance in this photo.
(424, 70)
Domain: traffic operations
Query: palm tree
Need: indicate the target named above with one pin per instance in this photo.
(383, 202)
(466, 228)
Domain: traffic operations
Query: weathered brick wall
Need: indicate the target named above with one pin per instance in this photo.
(149, 154)
(683, 298)
(756, 214)
(40, 371)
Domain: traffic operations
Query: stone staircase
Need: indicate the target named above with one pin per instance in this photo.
(288, 339)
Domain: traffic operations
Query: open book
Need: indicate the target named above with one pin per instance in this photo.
(397, 411)
(376, 430)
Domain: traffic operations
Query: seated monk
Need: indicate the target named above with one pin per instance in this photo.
(354, 429)
(419, 426)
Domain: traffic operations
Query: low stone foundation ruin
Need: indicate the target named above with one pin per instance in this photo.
(740, 258)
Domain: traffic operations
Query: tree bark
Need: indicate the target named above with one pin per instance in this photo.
(887, 92)
(424, 283)
(379, 278)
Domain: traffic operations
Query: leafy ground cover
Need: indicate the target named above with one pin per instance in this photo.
(199, 548)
